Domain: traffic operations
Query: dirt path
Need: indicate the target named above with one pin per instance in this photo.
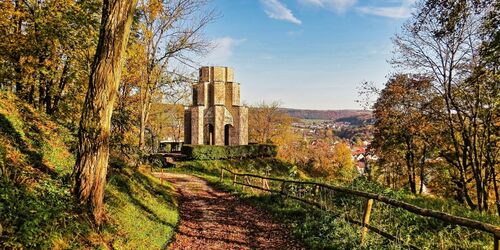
(212, 219)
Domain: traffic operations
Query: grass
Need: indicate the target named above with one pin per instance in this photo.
(329, 230)
(143, 212)
(37, 209)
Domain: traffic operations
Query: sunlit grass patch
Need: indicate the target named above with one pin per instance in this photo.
(142, 211)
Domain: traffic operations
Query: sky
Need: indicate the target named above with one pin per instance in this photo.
(308, 54)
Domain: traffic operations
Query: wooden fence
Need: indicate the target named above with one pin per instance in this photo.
(316, 194)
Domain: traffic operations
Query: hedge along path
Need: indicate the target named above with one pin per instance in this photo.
(211, 219)
(217, 152)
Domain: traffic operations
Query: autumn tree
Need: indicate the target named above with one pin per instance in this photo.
(167, 32)
(343, 163)
(404, 126)
(443, 40)
(46, 50)
(167, 111)
(267, 122)
(488, 72)
(329, 160)
(94, 133)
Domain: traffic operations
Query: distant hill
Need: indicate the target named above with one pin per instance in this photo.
(343, 115)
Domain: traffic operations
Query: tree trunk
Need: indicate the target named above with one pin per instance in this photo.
(145, 107)
(48, 98)
(62, 84)
(142, 130)
(31, 95)
(93, 150)
(410, 165)
(18, 69)
(41, 94)
(497, 196)
(422, 167)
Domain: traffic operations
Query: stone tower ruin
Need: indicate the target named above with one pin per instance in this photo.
(216, 116)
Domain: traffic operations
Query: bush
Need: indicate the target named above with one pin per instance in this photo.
(212, 152)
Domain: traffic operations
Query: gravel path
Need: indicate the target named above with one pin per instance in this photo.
(211, 219)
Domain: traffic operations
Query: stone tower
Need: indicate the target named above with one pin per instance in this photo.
(216, 116)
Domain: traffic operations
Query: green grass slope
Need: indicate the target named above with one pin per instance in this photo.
(141, 210)
(37, 210)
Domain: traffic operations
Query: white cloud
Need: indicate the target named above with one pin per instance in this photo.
(222, 51)
(336, 5)
(276, 10)
(402, 11)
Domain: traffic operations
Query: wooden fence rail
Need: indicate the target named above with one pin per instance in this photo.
(370, 198)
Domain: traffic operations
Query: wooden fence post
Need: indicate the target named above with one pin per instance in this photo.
(497, 243)
(366, 219)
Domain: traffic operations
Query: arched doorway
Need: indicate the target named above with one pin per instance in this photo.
(210, 135)
(227, 134)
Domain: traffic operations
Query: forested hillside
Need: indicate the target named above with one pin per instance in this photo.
(334, 115)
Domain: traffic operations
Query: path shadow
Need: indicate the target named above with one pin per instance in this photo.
(123, 185)
(34, 157)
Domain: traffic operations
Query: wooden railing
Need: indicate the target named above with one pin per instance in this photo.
(315, 194)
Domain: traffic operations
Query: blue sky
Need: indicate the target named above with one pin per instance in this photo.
(305, 53)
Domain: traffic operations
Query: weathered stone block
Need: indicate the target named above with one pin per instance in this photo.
(243, 126)
(219, 74)
(236, 94)
(204, 74)
(197, 125)
(229, 75)
(229, 94)
(219, 93)
(219, 125)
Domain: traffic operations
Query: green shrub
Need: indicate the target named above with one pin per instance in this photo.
(212, 152)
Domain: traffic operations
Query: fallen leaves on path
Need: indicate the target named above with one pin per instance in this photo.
(211, 219)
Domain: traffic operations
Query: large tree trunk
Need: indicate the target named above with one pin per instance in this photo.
(93, 150)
